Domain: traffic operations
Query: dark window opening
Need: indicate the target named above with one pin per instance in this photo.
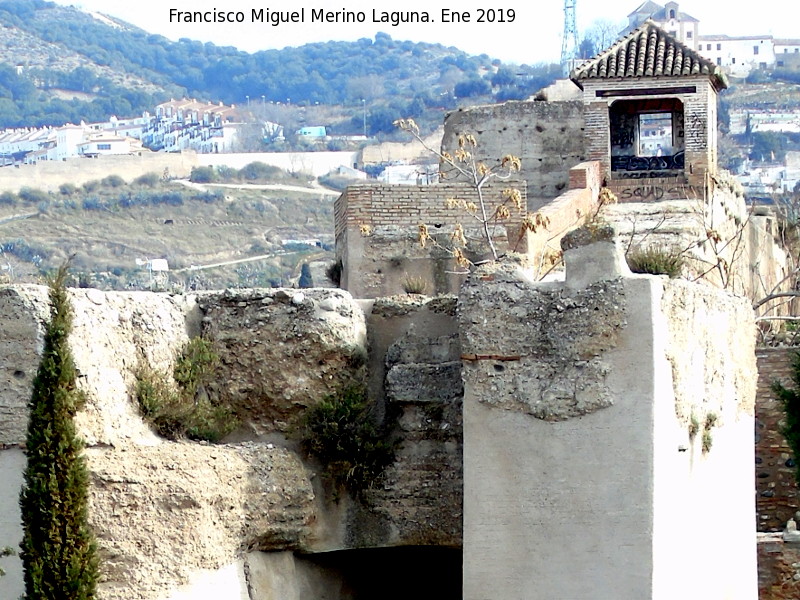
(646, 138)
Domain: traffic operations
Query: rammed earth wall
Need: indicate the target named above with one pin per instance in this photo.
(546, 136)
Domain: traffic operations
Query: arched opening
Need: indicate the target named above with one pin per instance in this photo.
(647, 138)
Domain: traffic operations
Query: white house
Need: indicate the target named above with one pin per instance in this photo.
(106, 144)
(739, 55)
(680, 25)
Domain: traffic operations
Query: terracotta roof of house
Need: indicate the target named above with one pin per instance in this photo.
(648, 51)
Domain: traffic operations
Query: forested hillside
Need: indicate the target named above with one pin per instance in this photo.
(62, 64)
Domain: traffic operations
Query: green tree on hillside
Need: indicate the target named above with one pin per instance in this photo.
(57, 550)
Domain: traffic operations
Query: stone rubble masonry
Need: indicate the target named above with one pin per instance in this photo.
(173, 517)
(282, 350)
(748, 245)
(535, 528)
(416, 340)
(778, 568)
(776, 489)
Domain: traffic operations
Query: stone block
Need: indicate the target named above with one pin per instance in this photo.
(424, 383)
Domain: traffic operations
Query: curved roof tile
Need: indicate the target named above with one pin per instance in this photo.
(648, 51)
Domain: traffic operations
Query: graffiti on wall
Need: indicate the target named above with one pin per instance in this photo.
(647, 167)
(652, 193)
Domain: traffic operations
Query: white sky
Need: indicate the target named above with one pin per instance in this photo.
(534, 36)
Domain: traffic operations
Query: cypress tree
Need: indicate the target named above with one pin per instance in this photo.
(57, 550)
(306, 281)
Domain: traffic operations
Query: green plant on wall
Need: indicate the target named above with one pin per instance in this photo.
(340, 433)
(185, 409)
(57, 550)
(656, 260)
(7, 551)
(789, 397)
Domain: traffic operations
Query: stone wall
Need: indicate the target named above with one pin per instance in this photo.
(724, 243)
(48, 175)
(546, 136)
(778, 568)
(578, 407)
(177, 520)
(377, 234)
(776, 489)
(416, 374)
(386, 152)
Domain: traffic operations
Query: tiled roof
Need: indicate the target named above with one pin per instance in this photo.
(648, 51)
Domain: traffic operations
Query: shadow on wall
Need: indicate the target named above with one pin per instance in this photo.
(421, 573)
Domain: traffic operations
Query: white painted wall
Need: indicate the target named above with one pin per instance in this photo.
(12, 462)
(313, 163)
(618, 503)
(227, 583)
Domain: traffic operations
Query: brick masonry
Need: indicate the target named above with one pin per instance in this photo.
(699, 110)
(778, 572)
(776, 491)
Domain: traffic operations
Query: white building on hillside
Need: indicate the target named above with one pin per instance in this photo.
(107, 144)
(191, 125)
(680, 25)
(739, 55)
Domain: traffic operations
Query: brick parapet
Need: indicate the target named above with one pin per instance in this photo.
(406, 206)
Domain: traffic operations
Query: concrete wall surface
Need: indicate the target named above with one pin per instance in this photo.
(581, 478)
(12, 462)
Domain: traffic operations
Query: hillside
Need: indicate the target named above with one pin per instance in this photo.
(108, 226)
(116, 68)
